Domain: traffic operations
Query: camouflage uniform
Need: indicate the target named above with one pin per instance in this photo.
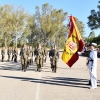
(12, 51)
(39, 58)
(3, 53)
(9, 53)
(31, 55)
(23, 54)
(45, 55)
(35, 51)
(54, 55)
(15, 54)
(28, 56)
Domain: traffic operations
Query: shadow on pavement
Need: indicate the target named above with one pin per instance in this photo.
(60, 81)
(12, 66)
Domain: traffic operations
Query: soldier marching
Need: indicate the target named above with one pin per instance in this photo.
(39, 57)
(45, 54)
(24, 61)
(3, 53)
(15, 54)
(26, 56)
(12, 52)
(54, 56)
(9, 53)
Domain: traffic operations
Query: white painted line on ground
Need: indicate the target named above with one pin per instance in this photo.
(38, 89)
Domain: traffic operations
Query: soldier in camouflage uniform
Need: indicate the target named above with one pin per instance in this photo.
(3, 53)
(54, 55)
(8, 53)
(12, 51)
(23, 54)
(35, 51)
(15, 54)
(28, 56)
(45, 54)
(39, 57)
(31, 55)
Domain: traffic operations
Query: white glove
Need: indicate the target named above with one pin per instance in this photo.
(50, 56)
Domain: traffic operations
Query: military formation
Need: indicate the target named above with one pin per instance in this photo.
(26, 54)
(13, 52)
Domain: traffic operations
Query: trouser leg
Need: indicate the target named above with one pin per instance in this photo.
(37, 63)
(32, 60)
(22, 67)
(89, 82)
(15, 59)
(40, 65)
(52, 67)
(12, 57)
(94, 78)
(25, 64)
(28, 62)
(2, 58)
(55, 66)
(8, 57)
(41, 62)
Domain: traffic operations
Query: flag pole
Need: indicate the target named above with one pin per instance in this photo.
(77, 31)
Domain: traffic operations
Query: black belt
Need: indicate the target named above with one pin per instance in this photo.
(90, 60)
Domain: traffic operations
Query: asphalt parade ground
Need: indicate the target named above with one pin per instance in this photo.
(66, 84)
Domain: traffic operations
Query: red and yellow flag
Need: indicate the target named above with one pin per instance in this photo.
(74, 44)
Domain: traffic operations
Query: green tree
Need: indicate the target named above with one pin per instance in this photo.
(80, 26)
(18, 22)
(94, 18)
(31, 32)
(92, 34)
(5, 13)
(50, 22)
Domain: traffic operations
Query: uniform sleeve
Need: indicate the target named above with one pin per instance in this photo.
(42, 52)
(34, 52)
(58, 54)
(94, 57)
(4, 51)
(49, 53)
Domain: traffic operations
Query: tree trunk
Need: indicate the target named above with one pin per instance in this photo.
(5, 42)
(54, 41)
(16, 40)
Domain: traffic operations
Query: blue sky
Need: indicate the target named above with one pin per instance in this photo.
(78, 8)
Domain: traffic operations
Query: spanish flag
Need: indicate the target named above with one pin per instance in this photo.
(74, 44)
